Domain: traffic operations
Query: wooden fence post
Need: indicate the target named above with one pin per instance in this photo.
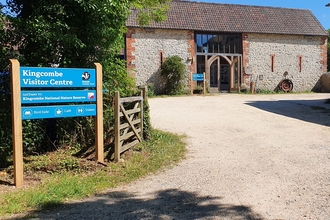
(117, 126)
(144, 90)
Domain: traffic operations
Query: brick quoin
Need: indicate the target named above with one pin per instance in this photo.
(245, 60)
(324, 49)
(130, 58)
(191, 51)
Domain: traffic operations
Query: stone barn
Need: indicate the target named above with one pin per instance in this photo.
(233, 44)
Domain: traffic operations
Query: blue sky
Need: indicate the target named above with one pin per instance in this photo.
(317, 7)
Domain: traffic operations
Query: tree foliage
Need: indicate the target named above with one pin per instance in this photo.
(70, 33)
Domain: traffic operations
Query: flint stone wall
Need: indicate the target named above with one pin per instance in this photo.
(286, 50)
(149, 45)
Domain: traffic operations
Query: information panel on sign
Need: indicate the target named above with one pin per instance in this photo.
(41, 96)
(198, 77)
(60, 111)
(57, 77)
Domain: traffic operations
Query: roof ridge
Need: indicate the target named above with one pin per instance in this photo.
(244, 5)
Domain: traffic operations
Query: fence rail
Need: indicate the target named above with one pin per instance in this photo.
(128, 123)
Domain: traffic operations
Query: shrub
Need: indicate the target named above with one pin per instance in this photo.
(173, 69)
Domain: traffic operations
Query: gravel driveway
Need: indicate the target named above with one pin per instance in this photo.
(249, 157)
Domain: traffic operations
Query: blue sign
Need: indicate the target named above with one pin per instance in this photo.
(198, 77)
(60, 111)
(57, 77)
(41, 96)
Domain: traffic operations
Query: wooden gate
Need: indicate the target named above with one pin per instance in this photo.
(128, 123)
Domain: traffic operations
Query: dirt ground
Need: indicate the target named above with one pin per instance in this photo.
(269, 153)
(249, 157)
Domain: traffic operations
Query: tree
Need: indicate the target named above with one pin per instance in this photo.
(76, 33)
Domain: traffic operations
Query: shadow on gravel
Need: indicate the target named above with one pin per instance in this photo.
(168, 204)
(299, 109)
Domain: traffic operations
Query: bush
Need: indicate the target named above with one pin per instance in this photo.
(173, 69)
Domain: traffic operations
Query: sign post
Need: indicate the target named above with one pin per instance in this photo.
(197, 77)
(99, 115)
(16, 122)
(35, 77)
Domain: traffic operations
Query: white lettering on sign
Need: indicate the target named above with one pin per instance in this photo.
(42, 74)
(79, 97)
(66, 97)
(30, 94)
(33, 99)
(35, 82)
(61, 82)
(52, 97)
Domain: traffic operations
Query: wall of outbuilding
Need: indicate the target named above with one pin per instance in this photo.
(304, 58)
(148, 48)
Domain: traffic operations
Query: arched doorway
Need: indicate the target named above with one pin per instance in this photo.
(219, 55)
(223, 72)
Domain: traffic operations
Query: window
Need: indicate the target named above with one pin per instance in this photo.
(218, 43)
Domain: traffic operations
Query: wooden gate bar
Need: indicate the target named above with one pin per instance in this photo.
(129, 129)
(130, 122)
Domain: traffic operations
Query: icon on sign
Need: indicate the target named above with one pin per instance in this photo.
(58, 111)
(80, 110)
(86, 76)
(91, 95)
(27, 113)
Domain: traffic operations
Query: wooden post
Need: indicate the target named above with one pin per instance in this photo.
(117, 126)
(16, 122)
(144, 91)
(141, 117)
(204, 84)
(191, 84)
(99, 148)
(144, 94)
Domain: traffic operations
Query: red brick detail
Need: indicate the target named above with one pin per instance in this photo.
(300, 61)
(130, 58)
(324, 55)
(272, 62)
(191, 51)
(161, 57)
(245, 61)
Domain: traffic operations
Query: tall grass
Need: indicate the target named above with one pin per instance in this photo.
(162, 150)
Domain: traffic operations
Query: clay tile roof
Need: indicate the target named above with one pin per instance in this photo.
(201, 16)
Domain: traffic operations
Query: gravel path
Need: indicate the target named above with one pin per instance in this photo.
(249, 157)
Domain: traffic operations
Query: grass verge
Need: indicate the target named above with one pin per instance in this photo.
(162, 150)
